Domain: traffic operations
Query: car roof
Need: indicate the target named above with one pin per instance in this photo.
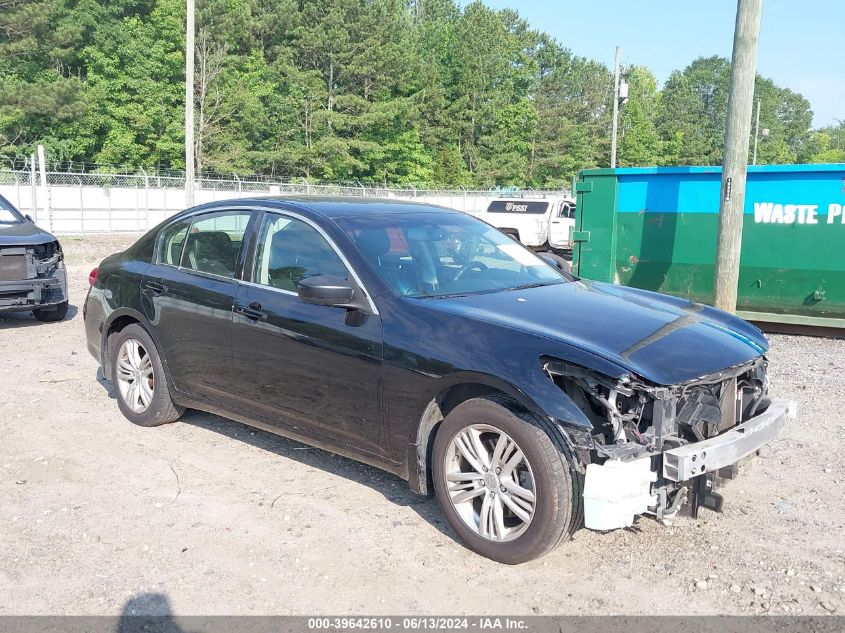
(334, 207)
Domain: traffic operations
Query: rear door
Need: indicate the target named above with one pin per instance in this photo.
(189, 294)
(311, 367)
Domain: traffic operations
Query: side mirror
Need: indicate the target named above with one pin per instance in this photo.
(551, 261)
(29, 218)
(557, 262)
(325, 290)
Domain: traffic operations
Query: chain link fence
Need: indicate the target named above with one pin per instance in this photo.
(97, 202)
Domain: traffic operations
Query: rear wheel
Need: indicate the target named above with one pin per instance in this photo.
(49, 315)
(142, 392)
(504, 484)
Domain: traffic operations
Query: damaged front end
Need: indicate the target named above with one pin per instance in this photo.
(32, 276)
(655, 449)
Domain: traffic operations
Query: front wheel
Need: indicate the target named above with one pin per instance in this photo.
(506, 487)
(142, 392)
(50, 315)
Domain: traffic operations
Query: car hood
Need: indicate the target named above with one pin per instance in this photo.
(663, 339)
(23, 234)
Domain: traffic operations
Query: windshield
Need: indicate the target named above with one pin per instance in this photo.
(441, 254)
(8, 215)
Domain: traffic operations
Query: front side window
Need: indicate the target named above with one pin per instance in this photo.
(434, 254)
(290, 250)
(567, 210)
(214, 242)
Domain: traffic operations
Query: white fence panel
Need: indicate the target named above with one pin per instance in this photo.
(100, 203)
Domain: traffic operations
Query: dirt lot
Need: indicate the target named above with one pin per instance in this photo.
(97, 515)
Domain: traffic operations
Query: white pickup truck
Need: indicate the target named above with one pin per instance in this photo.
(542, 224)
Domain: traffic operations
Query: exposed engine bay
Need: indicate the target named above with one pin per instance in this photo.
(655, 449)
(32, 276)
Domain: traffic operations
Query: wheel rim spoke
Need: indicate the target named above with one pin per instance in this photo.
(518, 491)
(485, 517)
(468, 495)
(498, 520)
(468, 449)
(490, 483)
(503, 444)
(516, 508)
(517, 457)
(145, 394)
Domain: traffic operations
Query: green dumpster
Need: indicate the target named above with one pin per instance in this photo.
(655, 228)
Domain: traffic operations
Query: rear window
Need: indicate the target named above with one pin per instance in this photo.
(518, 206)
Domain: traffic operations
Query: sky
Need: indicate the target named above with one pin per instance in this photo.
(802, 42)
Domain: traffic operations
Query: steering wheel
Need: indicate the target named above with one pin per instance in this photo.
(469, 266)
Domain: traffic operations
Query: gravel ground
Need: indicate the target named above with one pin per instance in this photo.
(98, 516)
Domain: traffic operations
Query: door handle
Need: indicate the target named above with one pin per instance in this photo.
(156, 286)
(253, 311)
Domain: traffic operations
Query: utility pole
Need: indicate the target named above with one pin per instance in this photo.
(735, 161)
(189, 105)
(615, 107)
(756, 132)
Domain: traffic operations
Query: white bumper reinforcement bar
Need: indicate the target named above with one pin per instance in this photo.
(686, 462)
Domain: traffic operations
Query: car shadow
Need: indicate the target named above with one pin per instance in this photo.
(393, 488)
(14, 320)
(147, 612)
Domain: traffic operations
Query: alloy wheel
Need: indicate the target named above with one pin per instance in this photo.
(490, 483)
(135, 376)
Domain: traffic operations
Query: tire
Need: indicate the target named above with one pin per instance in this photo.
(151, 406)
(557, 486)
(560, 262)
(50, 315)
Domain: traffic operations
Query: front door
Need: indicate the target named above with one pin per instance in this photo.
(563, 221)
(188, 295)
(315, 368)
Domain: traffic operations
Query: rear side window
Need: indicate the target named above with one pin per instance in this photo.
(214, 242)
(171, 242)
(518, 206)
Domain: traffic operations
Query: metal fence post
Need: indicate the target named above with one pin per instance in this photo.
(44, 189)
(33, 201)
(146, 198)
(18, 190)
(81, 206)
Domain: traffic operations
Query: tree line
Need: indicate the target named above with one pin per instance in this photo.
(414, 92)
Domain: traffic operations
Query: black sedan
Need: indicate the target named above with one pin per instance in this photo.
(427, 343)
